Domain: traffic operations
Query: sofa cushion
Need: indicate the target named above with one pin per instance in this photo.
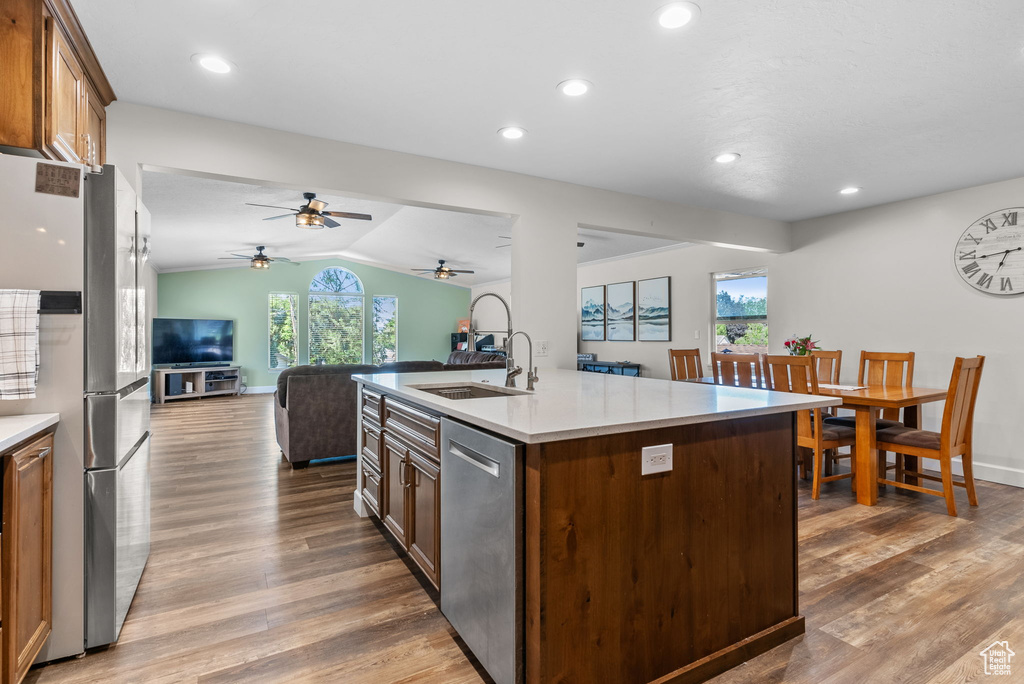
(464, 357)
(487, 365)
(339, 369)
(411, 367)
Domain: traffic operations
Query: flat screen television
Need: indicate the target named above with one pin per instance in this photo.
(192, 342)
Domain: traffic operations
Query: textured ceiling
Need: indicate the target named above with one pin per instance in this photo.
(198, 221)
(904, 98)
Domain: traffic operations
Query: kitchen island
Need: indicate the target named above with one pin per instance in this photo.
(619, 576)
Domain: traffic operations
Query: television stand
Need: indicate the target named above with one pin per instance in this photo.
(213, 381)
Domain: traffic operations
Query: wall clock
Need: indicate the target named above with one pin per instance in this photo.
(989, 256)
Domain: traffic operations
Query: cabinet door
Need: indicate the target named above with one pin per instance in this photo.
(395, 490)
(94, 150)
(371, 489)
(64, 97)
(425, 515)
(27, 532)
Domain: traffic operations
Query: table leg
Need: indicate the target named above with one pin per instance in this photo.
(912, 419)
(867, 457)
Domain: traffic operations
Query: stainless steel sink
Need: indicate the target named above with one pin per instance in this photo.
(468, 390)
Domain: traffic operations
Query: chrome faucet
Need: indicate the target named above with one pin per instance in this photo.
(514, 370)
(471, 336)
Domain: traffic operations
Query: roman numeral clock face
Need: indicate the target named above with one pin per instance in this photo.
(990, 254)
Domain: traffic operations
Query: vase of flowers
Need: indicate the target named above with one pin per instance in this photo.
(800, 346)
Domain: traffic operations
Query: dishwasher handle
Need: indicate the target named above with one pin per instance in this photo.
(475, 458)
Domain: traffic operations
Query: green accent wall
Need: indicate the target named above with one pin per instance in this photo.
(427, 310)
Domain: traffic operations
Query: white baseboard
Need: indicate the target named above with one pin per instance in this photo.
(357, 503)
(264, 389)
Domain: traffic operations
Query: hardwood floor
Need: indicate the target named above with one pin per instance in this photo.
(260, 573)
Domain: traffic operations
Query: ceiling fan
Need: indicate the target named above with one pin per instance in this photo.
(442, 272)
(312, 214)
(509, 237)
(259, 260)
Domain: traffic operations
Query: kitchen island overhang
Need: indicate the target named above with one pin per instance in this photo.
(676, 576)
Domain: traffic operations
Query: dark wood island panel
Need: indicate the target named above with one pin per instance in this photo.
(673, 577)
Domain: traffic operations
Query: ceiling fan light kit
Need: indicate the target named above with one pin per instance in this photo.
(309, 221)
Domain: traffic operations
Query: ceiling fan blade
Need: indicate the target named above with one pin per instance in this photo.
(348, 215)
(331, 223)
(239, 256)
(272, 218)
(279, 258)
(423, 270)
(451, 270)
(233, 258)
(271, 206)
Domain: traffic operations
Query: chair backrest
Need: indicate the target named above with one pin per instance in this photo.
(827, 365)
(795, 374)
(885, 368)
(958, 416)
(684, 364)
(736, 369)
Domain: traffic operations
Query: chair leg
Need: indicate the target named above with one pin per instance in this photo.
(805, 472)
(899, 467)
(883, 463)
(829, 461)
(972, 494)
(816, 487)
(947, 484)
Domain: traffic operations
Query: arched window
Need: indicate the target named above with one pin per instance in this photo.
(335, 317)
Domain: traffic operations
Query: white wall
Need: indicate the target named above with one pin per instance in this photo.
(879, 279)
(548, 212)
(883, 279)
(690, 269)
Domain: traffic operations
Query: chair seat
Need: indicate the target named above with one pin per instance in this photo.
(835, 433)
(851, 421)
(924, 439)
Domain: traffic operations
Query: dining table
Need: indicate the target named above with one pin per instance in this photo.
(866, 403)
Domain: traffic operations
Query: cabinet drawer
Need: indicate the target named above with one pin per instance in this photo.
(420, 429)
(371, 405)
(371, 444)
(371, 489)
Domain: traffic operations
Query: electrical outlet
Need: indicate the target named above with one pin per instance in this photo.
(245, 379)
(696, 334)
(542, 348)
(656, 459)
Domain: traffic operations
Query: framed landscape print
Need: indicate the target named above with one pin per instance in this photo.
(619, 312)
(654, 317)
(592, 313)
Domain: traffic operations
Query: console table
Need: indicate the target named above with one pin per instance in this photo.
(206, 382)
(612, 367)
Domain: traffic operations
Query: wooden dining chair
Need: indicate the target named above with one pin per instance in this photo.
(743, 370)
(827, 365)
(798, 374)
(684, 364)
(954, 439)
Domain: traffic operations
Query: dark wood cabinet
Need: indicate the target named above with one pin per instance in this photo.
(395, 506)
(407, 446)
(54, 91)
(424, 524)
(25, 548)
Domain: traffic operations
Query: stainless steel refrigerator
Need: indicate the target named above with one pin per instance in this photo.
(94, 371)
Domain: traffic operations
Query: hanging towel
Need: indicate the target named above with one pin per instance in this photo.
(19, 343)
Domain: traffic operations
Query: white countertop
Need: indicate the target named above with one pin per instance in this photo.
(14, 429)
(570, 404)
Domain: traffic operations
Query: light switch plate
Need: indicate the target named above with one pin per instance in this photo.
(542, 348)
(696, 334)
(656, 459)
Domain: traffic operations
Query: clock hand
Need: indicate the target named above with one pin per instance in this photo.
(1004, 253)
(1004, 258)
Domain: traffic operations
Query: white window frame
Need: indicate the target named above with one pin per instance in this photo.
(298, 329)
(738, 274)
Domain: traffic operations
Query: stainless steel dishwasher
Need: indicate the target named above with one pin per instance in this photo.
(482, 546)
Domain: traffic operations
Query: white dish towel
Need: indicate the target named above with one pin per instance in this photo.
(19, 343)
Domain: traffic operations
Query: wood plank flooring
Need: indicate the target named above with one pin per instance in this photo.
(260, 573)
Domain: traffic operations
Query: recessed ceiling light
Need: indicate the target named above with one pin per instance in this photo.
(849, 191)
(512, 132)
(40, 230)
(217, 65)
(727, 157)
(677, 14)
(574, 87)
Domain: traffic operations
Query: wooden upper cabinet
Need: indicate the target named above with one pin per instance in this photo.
(66, 98)
(26, 615)
(54, 91)
(95, 128)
